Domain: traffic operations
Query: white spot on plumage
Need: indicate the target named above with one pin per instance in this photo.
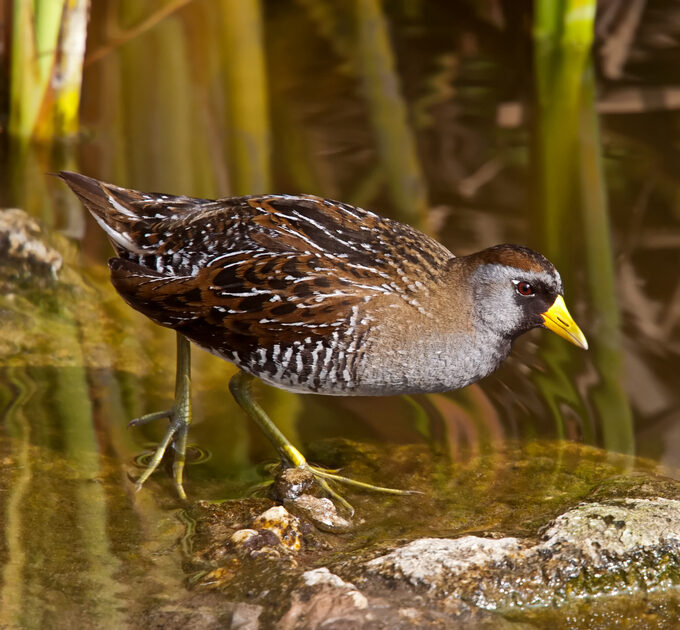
(250, 293)
(119, 207)
(120, 238)
(299, 235)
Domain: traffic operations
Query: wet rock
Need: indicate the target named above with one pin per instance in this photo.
(323, 600)
(440, 563)
(22, 246)
(273, 533)
(586, 537)
(215, 526)
(242, 536)
(204, 615)
(257, 543)
(321, 512)
(299, 491)
(601, 533)
(261, 550)
(291, 483)
(622, 546)
(283, 525)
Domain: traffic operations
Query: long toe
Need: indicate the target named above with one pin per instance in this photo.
(176, 434)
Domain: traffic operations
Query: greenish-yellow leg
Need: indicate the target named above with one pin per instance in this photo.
(240, 388)
(179, 416)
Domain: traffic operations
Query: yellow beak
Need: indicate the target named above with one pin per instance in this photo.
(557, 319)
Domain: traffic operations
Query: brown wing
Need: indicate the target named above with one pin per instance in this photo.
(245, 303)
(249, 272)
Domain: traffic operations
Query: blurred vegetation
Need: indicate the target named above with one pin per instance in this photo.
(46, 51)
(568, 161)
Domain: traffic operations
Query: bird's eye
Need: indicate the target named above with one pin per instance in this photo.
(524, 288)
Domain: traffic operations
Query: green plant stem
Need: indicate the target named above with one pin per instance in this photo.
(246, 96)
(396, 143)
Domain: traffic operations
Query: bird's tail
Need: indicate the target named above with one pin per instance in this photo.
(117, 210)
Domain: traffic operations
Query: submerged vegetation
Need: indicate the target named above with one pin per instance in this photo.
(207, 98)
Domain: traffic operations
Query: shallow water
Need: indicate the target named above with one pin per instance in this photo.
(423, 113)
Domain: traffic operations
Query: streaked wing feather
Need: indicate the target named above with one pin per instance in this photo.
(256, 270)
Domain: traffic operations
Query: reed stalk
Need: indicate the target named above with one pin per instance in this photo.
(387, 109)
(570, 176)
(47, 52)
(247, 96)
(608, 396)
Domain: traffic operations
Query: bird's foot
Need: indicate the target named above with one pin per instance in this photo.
(239, 386)
(324, 475)
(176, 434)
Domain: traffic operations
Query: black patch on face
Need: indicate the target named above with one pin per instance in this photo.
(534, 306)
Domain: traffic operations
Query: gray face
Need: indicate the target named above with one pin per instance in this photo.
(510, 301)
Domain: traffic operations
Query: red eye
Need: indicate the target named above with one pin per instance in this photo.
(524, 288)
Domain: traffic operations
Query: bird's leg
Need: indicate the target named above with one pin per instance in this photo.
(239, 386)
(179, 416)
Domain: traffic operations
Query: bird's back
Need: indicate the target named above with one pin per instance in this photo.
(288, 287)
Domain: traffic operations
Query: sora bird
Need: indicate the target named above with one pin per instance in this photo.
(314, 295)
